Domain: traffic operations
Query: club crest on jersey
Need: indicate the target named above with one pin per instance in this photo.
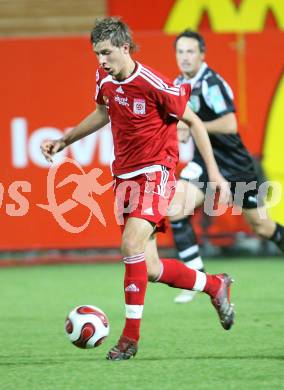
(139, 106)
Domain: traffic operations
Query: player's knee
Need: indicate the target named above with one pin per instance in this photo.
(131, 247)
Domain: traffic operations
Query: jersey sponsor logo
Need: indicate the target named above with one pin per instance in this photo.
(139, 106)
(119, 89)
(121, 100)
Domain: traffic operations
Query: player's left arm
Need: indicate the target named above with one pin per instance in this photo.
(202, 141)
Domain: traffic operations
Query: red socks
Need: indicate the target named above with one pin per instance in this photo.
(177, 274)
(174, 273)
(135, 284)
(212, 286)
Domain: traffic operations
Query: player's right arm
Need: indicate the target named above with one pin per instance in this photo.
(93, 122)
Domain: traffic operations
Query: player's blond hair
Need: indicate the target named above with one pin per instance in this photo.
(113, 29)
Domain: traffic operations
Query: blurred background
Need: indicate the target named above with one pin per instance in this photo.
(48, 84)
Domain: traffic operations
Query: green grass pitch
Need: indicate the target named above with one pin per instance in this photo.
(182, 346)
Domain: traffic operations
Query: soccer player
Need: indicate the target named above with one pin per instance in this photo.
(212, 100)
(144, 109)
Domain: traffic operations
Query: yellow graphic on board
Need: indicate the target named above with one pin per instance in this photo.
(273, 151)
(224, 15)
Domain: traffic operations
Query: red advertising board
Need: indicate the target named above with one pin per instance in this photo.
(47, 87)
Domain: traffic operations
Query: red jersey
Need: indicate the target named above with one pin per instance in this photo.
(143, 111)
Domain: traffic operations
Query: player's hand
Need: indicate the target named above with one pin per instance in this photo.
(49, 148)
(217, 181)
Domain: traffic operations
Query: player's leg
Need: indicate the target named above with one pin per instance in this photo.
(134, 239)
(176, 274)
(264, 226)
(152, 258)
(186, 199)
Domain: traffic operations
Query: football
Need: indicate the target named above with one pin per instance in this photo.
(87, 326)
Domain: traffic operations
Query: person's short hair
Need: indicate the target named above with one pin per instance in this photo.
(113, 29)
(194, 35)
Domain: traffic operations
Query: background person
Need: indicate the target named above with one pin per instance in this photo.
(212, 100)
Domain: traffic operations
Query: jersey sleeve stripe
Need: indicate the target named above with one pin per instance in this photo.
(153, 76)
(162, 85)
(158, 80)
(157, 86)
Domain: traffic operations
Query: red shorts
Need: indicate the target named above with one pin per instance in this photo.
(146, 196)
